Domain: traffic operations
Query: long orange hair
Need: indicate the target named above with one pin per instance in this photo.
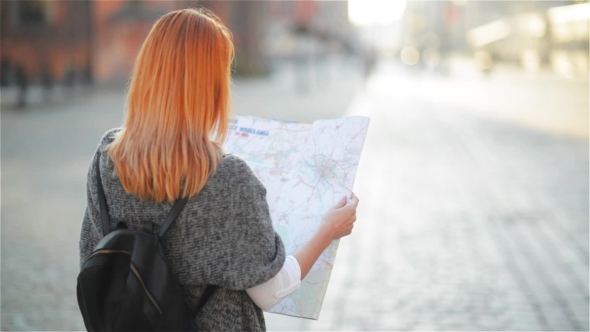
(178, 106)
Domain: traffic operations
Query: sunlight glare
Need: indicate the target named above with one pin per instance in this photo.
(366, 12)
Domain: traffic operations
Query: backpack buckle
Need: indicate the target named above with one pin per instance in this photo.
(148, 227)
(119, 225)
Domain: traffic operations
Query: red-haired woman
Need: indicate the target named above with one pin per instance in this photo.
(170, 147)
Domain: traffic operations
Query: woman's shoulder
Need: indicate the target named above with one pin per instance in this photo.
(235, 171)
(231, 162)
(105, 140)
(109, 137)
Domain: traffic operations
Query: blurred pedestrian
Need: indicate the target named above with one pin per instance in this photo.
(46, 80)
(22, 83)
(170, 151)
(5, 72)
(69, 79)
(369, 60)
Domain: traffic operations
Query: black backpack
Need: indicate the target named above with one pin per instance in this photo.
(126, 284)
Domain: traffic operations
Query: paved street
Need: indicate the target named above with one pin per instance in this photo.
(469, 219)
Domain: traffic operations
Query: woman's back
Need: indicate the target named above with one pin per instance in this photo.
(170, 146)
(223, 237)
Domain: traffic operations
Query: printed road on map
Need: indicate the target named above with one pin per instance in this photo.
(306, 169)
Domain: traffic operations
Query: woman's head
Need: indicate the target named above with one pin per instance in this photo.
(177, 107)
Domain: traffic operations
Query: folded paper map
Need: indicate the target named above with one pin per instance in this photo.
(306, 169)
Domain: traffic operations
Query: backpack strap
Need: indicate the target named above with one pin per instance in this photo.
(176, 208)
(174, 212)
(104, 211)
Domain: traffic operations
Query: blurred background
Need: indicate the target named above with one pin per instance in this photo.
(473, 181)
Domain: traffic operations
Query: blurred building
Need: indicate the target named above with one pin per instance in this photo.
(531, 34)
(246, 20)
(306, 28)
(90, 40)
(122, 26)
(551, 34)
(332, 23)
(46, 41)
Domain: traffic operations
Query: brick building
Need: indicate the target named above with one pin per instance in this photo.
(98, 41)
(121, 27)
(46, 39)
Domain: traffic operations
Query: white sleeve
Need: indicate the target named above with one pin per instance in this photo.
(288, 280)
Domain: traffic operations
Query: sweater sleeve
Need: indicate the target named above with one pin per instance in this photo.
(260, 247)
(243, 249)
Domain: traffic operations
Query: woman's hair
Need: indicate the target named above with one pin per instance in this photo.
(178, 106)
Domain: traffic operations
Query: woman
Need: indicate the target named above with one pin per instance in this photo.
(170, 147)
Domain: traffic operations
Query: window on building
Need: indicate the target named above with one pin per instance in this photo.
(32, 12)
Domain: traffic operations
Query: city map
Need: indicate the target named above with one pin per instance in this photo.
(306, 169)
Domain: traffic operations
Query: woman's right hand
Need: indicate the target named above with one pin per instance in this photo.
(339, 220)
(336, 223)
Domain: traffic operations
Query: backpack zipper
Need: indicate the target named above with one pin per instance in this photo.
(108, 251)
(147, 292)
(134, 270)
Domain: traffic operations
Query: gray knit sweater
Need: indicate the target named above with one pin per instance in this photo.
(223, 236)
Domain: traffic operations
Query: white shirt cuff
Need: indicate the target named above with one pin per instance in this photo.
(273, 291)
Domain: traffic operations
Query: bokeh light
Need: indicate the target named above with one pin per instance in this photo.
(410, 55)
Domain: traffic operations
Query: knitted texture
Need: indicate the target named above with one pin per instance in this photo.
(223, 236)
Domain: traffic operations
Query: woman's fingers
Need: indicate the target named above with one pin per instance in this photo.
(341, 203)
(353, 200)
(354, 197)
(342, 216)
(350, 208)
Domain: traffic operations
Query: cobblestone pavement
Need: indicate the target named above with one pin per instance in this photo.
(466, 222)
